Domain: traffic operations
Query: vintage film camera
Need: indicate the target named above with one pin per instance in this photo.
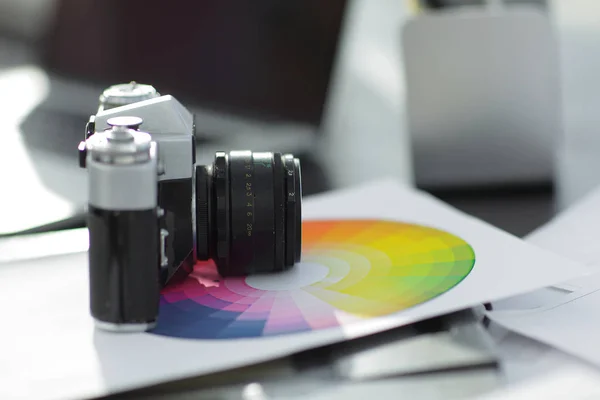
(152, 212)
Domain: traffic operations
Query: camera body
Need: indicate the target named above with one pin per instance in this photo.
(153, 213)
(172, 127)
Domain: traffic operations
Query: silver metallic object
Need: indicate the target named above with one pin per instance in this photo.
(126, 93)
(124, 328)
(132, 186)
(123, 225)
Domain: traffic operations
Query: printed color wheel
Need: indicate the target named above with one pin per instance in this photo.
(350, 270)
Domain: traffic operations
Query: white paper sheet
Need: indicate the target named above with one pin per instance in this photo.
(50, 350)
(564, 320)
(572, 326)
(524, 359)
(574, 234)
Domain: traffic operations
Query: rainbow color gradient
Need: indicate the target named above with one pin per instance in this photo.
(360, 269)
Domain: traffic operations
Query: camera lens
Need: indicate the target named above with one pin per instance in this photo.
(249, 212)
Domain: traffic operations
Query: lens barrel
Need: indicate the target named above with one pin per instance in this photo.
(249, 212)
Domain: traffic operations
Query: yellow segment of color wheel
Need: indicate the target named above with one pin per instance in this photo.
(378, 267)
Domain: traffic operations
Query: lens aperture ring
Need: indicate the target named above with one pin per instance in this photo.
(264, 220)
(221, 187)
(242, 259)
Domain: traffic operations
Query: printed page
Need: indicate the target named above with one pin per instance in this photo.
(375, 256)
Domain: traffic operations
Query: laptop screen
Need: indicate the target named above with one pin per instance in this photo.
(264, 59)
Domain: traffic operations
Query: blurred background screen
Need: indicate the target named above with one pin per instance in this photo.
(450, 96)
(267, 60)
